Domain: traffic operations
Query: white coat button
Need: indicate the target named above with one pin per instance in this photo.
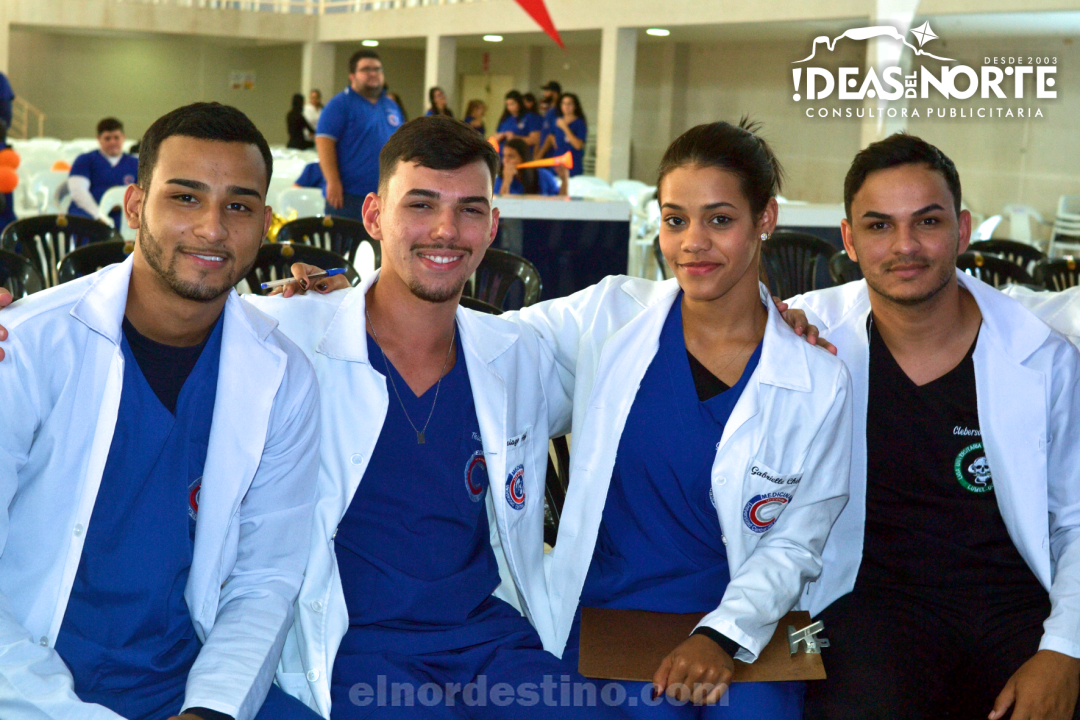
(44, 642)
(723, 539)
(356, 459)
(78, 530)
(721, 480)
(312, 675)
(316, 605)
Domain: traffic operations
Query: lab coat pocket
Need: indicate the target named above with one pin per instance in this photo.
(766, 492)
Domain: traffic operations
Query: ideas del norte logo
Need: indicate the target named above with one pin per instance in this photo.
(998, 78)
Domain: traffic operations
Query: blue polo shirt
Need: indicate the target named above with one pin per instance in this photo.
(312, 177)
(360, 128)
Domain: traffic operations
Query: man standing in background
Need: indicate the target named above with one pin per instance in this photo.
(95, 172)
(312, 111)
(549, 108)
(352, 130)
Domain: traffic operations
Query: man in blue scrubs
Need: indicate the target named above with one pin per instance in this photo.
(156, 467)
(352, 129)
(95, 172)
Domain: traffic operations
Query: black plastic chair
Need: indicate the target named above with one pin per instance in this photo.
(497, 277)
(993, 270)
(274, 262)
(794, 262)
(1019, 253)
(842, 269)
(44, 240)
(91, 258)
(18, 275)
(558, 470)
(340, 235)
(1058, 274)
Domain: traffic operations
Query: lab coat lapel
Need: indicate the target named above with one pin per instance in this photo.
(249, 375)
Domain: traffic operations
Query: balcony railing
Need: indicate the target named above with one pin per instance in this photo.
(301, 7)
(26, 120)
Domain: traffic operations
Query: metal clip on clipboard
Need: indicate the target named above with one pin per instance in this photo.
(808, 636)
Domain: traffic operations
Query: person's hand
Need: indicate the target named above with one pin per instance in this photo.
(335, 195)
(5, 300)
(563, 172)
(797, 320)
(1044, 688)
(561, 122)
(321, 285)
(698, 670)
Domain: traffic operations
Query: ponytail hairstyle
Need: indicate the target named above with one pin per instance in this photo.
(738, 149)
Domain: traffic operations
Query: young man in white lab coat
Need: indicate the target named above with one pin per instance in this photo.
(157, 464)
(425, 592)
(951, 581)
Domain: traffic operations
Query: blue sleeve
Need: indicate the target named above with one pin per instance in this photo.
(311, 177)
(429, 113)
(580, 129)
(508, 125)
(81, 166)
(497, 187)
(6, 93)
(332, 120)
(533, 122)
(549, 181)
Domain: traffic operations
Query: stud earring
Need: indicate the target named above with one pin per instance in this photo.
(764, 237)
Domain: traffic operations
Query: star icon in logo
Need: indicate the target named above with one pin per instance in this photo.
(923, 33)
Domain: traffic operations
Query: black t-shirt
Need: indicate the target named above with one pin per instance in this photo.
(932, 519)
(707, 385)
(166, 368)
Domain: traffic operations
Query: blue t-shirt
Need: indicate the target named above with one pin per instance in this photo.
(482, 129)
(104, 175)
(360, 128)
(547, 123)
(522, 126)
(562, 146)
(312, 177)
(549, 183)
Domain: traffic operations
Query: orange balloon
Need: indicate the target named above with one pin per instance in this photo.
(61, 166)
(9, 158)
(9, 179)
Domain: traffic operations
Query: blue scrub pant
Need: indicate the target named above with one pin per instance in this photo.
(510, 677)
(352, 207)
(279, 705)
(743, 701)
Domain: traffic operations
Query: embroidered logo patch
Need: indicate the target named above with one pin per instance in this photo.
(393, 119)
(515, 487)
(129, 179)
(194, 490)
(476, 476)
(761, 512)
(972, 469)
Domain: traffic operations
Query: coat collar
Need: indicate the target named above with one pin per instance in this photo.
(485, 336)
(102, 306)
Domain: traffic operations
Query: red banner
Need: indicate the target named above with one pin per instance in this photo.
(538, 11)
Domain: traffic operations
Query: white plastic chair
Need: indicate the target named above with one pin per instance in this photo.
(295, 203)
(112, 198)
(1022, 219)
(277, 185)
(630, 189)
(48, 190)
(986, 229)
(288, 169)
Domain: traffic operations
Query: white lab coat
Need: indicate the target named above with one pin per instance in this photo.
(60, 387)
(792, 424)
(519, 404)
(1027, 380)
(1059, 310)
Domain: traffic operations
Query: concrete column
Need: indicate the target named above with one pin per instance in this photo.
(317, 63)
(5, 37)
(618, 59)
(440, 67)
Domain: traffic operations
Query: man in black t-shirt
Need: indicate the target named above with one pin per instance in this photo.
(951, 582)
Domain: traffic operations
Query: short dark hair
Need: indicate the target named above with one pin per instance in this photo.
(893, 151)
(737, 149)
(202, 121)
(435, 142)
(553, 86)
(577, 105)
(362, 55)
(109, 124)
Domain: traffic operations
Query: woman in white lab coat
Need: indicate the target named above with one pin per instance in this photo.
(711, 443)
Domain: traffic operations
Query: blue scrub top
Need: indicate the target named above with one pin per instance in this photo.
(468, 121)
(413, 550)
(549, 183)
(102, 175)
(127, 634)
(547, 123)
(660, 546)
(522, 126)
(581, 131)
(312, 177)
(360, 128)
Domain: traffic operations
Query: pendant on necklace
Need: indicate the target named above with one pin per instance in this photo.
(420, 437)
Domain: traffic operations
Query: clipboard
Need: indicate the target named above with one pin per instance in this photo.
(630, 644)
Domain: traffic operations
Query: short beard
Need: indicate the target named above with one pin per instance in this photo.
(943, 280)
(436, 296)
(199, 292)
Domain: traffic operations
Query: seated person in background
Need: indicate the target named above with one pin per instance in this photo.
(312, 111)
(517, 123)
(311, 177)
(474, 116)
(529, 181)
(156, 474)
(568, 134)
(95, 172)
(951, 583)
